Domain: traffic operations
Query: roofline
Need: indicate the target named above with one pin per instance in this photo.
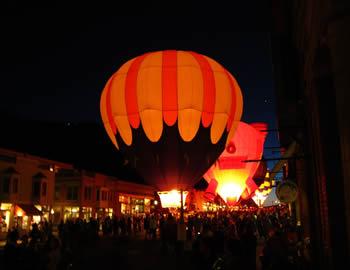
(27, 155)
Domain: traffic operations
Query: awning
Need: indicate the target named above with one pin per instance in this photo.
(30, 210)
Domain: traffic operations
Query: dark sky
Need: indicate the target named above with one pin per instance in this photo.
(56, 59)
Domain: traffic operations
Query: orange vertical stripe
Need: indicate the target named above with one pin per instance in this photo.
(131, 92)
(208, 89)
(233, 102)
(169, 87)
(109, 108)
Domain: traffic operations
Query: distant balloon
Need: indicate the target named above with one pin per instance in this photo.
(171, 113)
(231, 171)
(262, 192)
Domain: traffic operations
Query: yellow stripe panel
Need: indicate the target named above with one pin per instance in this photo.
(239, 110)
(149, 95)
(104, 115)
(190, 95)
(118, 103)
(223, 101)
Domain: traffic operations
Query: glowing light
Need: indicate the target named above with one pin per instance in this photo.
(172, 199)
(52, 211)
(155, 202)
(75, 209)
(5, 206)
(231, 191)
(19, 213)
(36, 219)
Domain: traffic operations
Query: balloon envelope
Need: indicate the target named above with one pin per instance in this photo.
(231, 171)
(171, 113)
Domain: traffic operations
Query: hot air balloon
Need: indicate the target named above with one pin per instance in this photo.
(231, 171)
(171, 113)
(262, 192)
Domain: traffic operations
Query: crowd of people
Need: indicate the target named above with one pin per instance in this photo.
(221, 240)
(230, 240)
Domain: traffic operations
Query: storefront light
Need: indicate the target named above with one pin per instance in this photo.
(5, 206)
(172, 199)
(19, 213)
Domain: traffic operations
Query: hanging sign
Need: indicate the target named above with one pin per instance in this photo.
(287, 191)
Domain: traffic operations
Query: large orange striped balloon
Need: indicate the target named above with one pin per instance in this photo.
(156, 93)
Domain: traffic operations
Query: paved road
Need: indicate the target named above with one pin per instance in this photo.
(133, 253)
(136, 253)
(130, 254)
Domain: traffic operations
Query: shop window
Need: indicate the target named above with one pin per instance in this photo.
(72, 193)
(87, 193)
(15, 185)
(110, 196)
(36, 189)
(97, 194)
(57, 192)
(124, 199)
(44, 189)
(104, 195)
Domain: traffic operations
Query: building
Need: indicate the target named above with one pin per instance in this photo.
(33, 189)
(310, 44)
(84, 194)
(26, 189)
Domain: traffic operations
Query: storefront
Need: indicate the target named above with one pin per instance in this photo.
(147, 206)
(70, 212)
(137, 206)
(125, 207)
(56, 213)
(86, 213)
(109, 212)
(5, 214)
(25, 215)
(134, 205)
(45, 209)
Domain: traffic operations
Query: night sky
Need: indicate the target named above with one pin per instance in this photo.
(55, 60)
